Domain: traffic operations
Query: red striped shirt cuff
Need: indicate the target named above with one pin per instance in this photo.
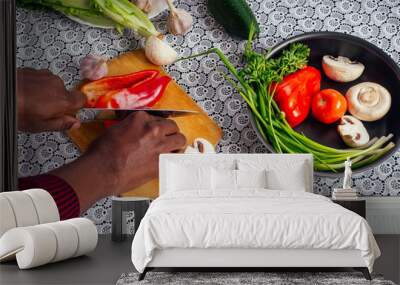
(65, 197)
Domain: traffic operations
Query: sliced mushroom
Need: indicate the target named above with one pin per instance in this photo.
(200, 145)
(353, 132)
(368, 101)
(341, 68)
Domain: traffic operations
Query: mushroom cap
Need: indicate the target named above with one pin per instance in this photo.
(368, 101)
(341, 68)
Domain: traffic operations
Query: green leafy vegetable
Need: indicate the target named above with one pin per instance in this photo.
(78, 10)
(256, 86)
(100, 13)
(126, 14)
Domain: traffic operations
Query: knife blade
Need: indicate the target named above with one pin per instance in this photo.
(119, 114)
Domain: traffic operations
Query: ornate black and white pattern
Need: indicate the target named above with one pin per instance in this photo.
(49, 40)
(248, 278)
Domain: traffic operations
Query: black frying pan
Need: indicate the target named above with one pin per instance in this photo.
(379, 68)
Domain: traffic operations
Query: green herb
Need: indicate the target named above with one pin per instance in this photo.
(255, 85)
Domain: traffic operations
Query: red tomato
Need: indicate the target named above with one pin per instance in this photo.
(328, 106)
(294, 94)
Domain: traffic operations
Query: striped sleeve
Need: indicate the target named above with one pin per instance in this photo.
(65, 197)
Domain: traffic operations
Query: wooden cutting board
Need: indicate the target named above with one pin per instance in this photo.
(199, 125)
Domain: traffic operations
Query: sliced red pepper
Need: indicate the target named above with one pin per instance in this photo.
(93, 90)
(142, 94)
(294, 94)
(109, 123)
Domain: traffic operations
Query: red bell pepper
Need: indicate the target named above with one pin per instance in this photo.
(93, 90)
(143, 94)
(294, 94)
(109, 123)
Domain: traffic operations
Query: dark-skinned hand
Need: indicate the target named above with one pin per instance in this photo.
(43, 102)
(124, 157)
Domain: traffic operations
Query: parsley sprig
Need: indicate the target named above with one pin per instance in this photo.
(264, 69)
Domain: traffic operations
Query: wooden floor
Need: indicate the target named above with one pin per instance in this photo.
(110, 260)
(389, 262)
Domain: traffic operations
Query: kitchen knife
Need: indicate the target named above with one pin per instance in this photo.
(119, 114)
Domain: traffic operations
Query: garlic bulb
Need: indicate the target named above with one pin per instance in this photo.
(159, 52)
(179, 21)
(93, 67)
(151, 7)
(200, 145)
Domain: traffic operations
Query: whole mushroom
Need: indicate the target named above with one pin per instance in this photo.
(368, 101)
(353, 132)
(341, 68)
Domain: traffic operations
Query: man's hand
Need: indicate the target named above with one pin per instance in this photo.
(43, 102)
(124, 157)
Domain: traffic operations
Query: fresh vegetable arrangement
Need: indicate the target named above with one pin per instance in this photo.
(121, 14)
(258, 82)
(136, 90)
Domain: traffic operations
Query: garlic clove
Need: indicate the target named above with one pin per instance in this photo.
(179, 22)
(368, 101)
(341, 68)
(93, 67)
(151, 7)
(159, 52)
(353, 132)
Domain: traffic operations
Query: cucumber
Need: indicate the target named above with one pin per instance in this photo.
(234, 15)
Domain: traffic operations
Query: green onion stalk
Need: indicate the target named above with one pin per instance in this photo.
(256, 83)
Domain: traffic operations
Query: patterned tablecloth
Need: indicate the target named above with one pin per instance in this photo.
(49, 40)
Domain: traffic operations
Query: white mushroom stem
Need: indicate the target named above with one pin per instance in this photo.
(353, 132)
(368, 101)
(341, 68)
